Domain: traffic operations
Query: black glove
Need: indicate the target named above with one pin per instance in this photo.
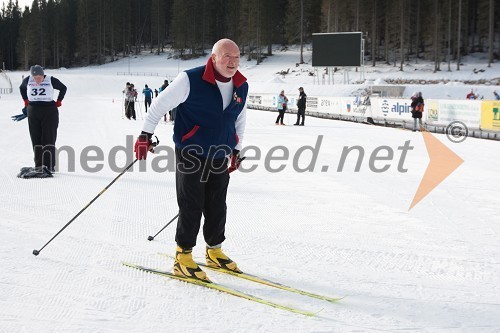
(20, 117)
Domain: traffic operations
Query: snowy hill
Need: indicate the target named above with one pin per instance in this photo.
(434, 268)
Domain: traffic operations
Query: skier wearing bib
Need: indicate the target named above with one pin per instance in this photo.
(37, 91)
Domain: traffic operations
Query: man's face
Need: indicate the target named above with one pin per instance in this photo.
(38, 79)
(227, 60)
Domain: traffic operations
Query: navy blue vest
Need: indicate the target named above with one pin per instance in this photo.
(201, 124)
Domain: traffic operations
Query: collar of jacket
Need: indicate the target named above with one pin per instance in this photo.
(209, 75)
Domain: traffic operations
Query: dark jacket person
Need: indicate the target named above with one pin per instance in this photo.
(37, 91)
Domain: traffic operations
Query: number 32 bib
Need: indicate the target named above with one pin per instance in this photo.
(43, 92)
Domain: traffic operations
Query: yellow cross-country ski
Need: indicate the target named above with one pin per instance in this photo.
(221, 288)
(266, 282)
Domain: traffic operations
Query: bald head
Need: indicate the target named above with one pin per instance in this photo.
(224, 44)
(226, 57)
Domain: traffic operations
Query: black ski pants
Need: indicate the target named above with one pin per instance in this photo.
(147, 102)
(281, 115)
(301, 113)
(201, 185)
(130, 111)
(43, 121)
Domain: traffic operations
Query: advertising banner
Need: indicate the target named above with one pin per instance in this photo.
(436, 112)
(356, 106)
(345, 106)
(396, 109)
(255, 100)
(490, 115)
(327, 105)
(468, 112)
(431, 111)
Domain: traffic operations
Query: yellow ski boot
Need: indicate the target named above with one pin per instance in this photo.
(216, 258)
(185, 266)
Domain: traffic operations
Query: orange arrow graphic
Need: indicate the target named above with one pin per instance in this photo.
(442, 163)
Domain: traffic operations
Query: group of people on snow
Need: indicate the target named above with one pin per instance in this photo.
(474, 95)
(282, 106)
(130, 98)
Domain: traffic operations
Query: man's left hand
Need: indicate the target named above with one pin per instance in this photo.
(235, 161)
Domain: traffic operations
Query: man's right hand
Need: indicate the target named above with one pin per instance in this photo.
(142, 145)
(26, 102)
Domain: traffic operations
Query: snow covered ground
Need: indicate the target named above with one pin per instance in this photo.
(435, 268)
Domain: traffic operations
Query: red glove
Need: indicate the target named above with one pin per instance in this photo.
(235, 161)
(59, 103)
(142, 145)
(26, 102)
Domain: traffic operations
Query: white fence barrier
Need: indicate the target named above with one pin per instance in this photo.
(439, 113)
(9, 89)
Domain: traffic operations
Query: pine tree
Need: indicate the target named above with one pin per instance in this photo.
(10, 22)
(69, 32)
(185, 25)
(158, 25)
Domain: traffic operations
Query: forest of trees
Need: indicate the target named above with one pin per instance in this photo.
(66, 33)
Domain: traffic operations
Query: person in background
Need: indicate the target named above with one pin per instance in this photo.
(471, 95)
(37, 91)
(148, 95)
(301, 107)
(497, 96)
(164, 85)
(209, 127)
(156, 92)
(282, 103)
(125, 104)
(131, 96)
(417, 108)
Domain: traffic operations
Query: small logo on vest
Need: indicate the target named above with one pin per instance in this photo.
(237, 98)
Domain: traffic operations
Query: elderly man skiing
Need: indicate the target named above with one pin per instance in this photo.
(209, 127)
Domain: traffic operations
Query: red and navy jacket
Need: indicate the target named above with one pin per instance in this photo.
(201, 125)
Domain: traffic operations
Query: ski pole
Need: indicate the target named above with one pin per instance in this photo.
(140, 109)
(150, 238)
(37, 252)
